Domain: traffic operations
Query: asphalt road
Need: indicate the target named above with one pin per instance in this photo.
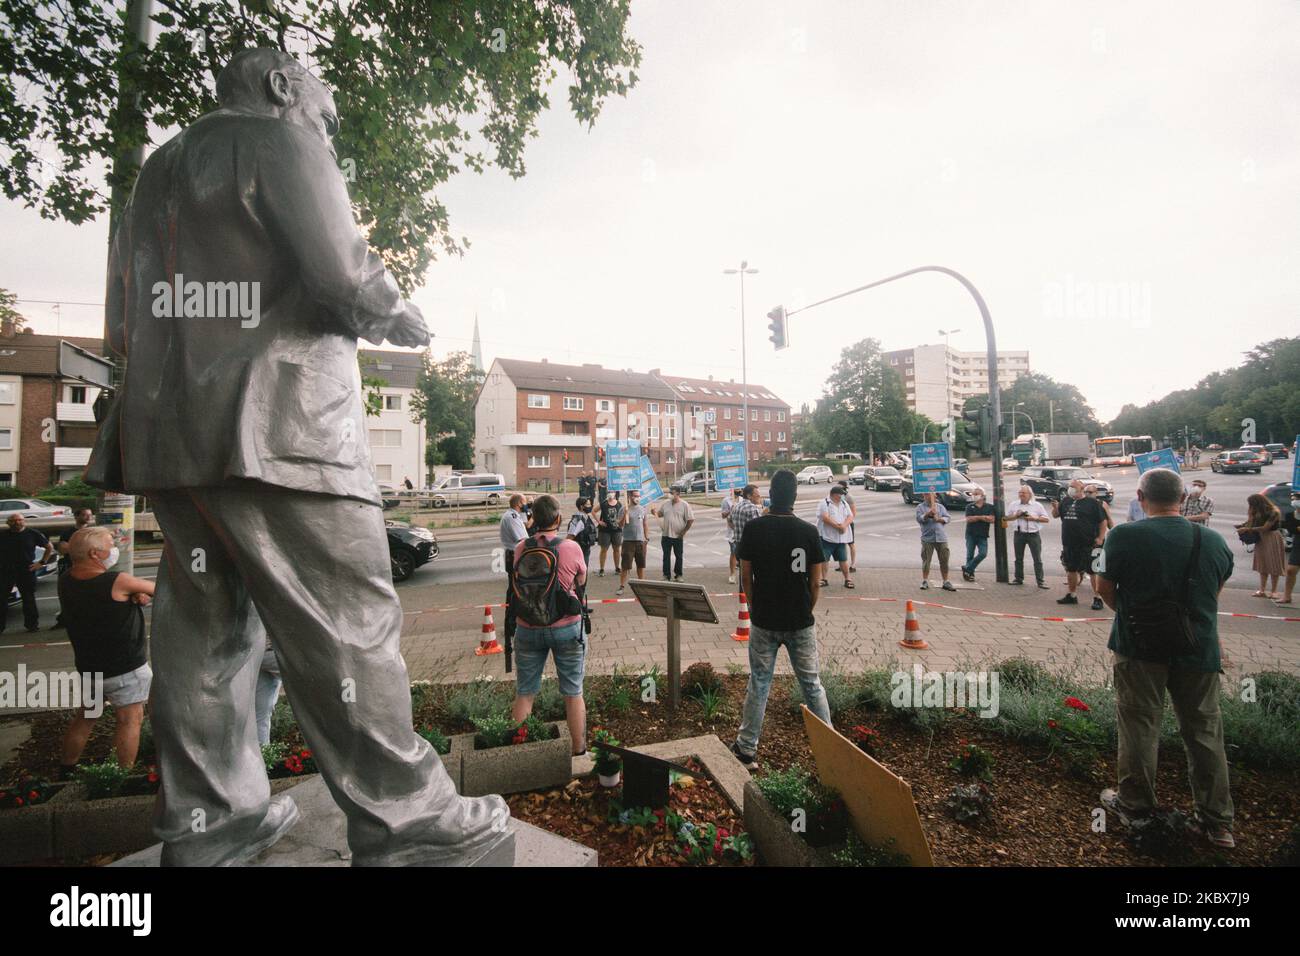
(887, 537)
(887, 534)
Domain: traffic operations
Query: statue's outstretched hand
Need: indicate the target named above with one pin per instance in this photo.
(410, 330)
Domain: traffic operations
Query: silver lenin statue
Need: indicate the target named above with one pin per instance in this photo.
(238, 285)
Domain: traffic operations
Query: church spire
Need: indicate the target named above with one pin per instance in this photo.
(477, 350)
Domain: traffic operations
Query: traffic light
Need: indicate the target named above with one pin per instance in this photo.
(780, 334)
(977, 437)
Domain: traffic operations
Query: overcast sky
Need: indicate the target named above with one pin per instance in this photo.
(1118, 179)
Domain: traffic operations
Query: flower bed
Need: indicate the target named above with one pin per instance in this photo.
(699, 827)
(492, 763)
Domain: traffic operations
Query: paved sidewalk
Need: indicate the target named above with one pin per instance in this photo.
(858, 628)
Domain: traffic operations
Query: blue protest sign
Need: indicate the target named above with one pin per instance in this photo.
(623, 479)
(728, 478)
(651, 490)
(931, 456)
(931, 464)
(729, 454)
(623, 454)
(1160, 458)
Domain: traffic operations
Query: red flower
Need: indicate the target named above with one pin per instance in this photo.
(962, 742)
(1051, 724)
(306, 755)
(293, 764)
(18, 801)
(32, 794)
(153, 776)
(1076, 703)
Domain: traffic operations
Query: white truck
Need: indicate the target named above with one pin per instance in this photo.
(1045, 448)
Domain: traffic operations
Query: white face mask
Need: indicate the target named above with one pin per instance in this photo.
(113, 555)
(1073, 492)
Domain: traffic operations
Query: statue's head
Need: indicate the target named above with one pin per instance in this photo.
(268, 81)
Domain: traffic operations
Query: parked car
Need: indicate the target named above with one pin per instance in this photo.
(958, 496)
(858, 475)
(962, 465)
(695, 481)
(469, 488)
(1277, 450)
(1215, 447)
(1049, 482)
(883, 478)
(409, 547)
(39, 514)
(1010, 464)
(1281, 494)
(1236, 463)
(814, 474)
(1261, 453)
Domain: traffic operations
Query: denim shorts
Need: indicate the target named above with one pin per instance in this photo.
(533, 644)
(835, 550)
(129, 688)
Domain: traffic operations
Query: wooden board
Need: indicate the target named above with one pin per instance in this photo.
(880, 802)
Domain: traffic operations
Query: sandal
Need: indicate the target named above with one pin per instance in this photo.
(825, 583)
(848, 584)
(1259, 594)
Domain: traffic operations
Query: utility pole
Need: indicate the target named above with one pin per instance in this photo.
(743, 271)
(117, 511)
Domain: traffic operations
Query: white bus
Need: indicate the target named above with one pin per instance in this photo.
(1119, 449)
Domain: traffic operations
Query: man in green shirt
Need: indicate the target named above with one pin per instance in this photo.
(1144, 561)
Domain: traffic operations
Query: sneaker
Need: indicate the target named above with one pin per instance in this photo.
(677, 577)
(1110, 800)
(600, 573)
(619, 592)
(1068, 599)
(1097, 604)
(925, 585)
(949, 586)
(1220, 837)
(967, 575)
(750, 761)
(1015, 582)
(731, 579)
(1043, 585)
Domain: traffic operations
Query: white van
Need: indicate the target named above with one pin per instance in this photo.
(468, 489)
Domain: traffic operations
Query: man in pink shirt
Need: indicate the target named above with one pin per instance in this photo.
(563, 637)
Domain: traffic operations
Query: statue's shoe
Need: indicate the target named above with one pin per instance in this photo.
(281, 814)
(471, 831)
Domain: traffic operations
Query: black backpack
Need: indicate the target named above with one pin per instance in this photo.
(535, 594)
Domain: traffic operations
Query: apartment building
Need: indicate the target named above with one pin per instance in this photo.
(397, 444)
(528, 414)
(939, 379)
(47, 422)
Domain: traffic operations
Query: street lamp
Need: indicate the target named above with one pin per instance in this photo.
(743, 271)
(1032, 431)
(995, 397)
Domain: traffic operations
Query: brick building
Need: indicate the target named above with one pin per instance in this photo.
(47, 422)
(527, 414)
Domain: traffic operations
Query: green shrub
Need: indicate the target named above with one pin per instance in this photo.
(283, 722)
(843, 690)
(12, 491)
(439, 741)
(493, 730)
(1260, 734)
(856, 853)
(711, 703)
(795, 790)
(973, 761)
(273, 755)
(619, 698)
(102, 780)
(549, 702)
(72, 488)
(1024, 674)
(479, 698)
(700, 677)
(1279, 693)
(607, 763)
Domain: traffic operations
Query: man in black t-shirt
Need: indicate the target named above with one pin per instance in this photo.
(1083, 528)
(18, 566)
(780, 557)
(980, 515)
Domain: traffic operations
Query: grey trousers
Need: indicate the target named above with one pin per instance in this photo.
(315, 569)
(1140, 705)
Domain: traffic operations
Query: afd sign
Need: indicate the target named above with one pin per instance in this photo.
(1160, 458)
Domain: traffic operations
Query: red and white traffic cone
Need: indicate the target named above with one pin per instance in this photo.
(488, 645)
(912, 631)
(742, 622)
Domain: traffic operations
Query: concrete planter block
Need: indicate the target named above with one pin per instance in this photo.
(776, 843)
(516, 767)
(27, 834)
(114, 825)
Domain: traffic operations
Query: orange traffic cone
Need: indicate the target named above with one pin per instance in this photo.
(488, 645)
(912, 631)
(742, 623)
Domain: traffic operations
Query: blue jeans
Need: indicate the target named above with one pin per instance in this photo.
(977, 549)
(763, 644)
(268, 690)
(534, 644)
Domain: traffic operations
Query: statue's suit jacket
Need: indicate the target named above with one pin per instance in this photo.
(241, 197)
